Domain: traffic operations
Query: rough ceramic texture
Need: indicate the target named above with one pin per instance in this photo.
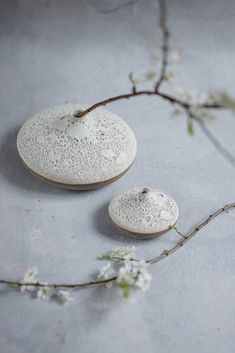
(57, 146)
(143, 210)
(52, 51)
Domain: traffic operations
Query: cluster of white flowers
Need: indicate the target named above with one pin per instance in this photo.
(193, 97)
(123, 269)
(122, 253)
(44, 291)
(225, 100)
(134, 274)
(196, 98)
(106, 272)
(131, 273)
(30, 276)
(64, 296)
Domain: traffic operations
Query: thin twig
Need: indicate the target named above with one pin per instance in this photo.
(136, 93)
(215, 142)
(187, 107)
(178, 232)
(152, 261)
(165, 42)
(156, 91)
(60, 285)
(192, 234)
(119, 7)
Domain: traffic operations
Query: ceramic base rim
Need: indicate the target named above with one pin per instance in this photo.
(142, 236)
(78, 187)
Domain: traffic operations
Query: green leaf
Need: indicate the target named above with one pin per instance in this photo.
(126, 288)
(131, 78)
(190, 128)
(165, 252)
(105, 256)
(228, 101)
(176, 112)
(172, 227)
(126, 292)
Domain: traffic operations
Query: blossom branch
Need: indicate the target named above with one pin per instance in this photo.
(155, 91)
(135, 93)
(57, 285)
(166, 253)
(192, 234)
(165, 42)
(186, 105)
(132, 271)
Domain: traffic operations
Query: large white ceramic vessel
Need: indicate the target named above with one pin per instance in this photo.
(143, 212)
(76, 153)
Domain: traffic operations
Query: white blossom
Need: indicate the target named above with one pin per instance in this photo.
(106, 271)
(150, 74)
(64, 296)
(133, 274)
(128, 273)
(45, 292)
(143, 281)
(133, 79)
(123, 253)
(216, 97)
(125, 274)
(175, 56)
(139, 266)
(197, 97)
(193, 97)
(30, 276)
(226, 100)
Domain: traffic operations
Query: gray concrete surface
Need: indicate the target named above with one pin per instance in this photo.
(82, 51)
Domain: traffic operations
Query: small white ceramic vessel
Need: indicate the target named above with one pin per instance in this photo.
(143, 212)
(76, 153)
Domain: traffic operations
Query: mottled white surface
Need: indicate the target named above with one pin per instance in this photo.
(76, 51)
(143, 210)
(62, 148)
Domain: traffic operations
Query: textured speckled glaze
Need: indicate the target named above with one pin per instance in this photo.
(143, 211)
(63, 149)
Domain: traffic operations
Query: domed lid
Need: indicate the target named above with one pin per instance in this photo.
(143, 212)
(61, 148)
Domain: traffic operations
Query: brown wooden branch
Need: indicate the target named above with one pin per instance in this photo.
(165, 42)
(135, 93)
(155, 92)
(152, 261)
(187, 106)
(58, 285)
(192, 234)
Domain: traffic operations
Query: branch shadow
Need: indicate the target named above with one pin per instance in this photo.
(100, 302)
